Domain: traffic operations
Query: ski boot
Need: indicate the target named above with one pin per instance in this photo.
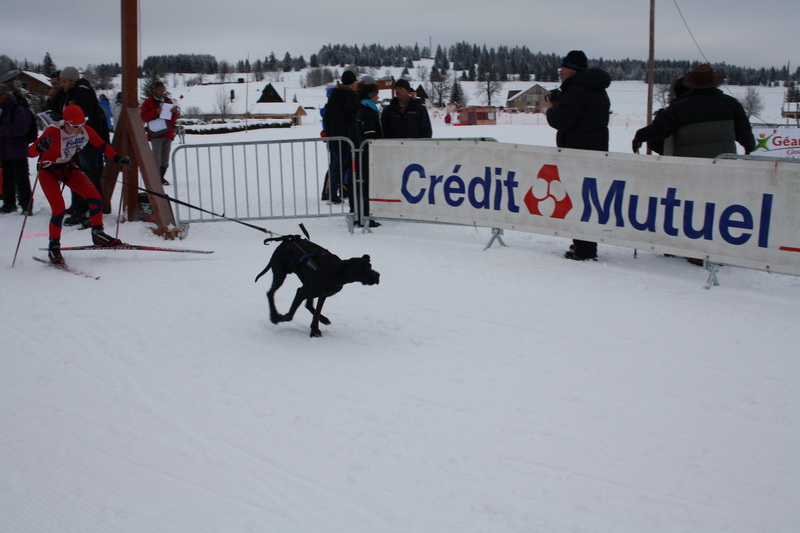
(100, 238)
(54, 252)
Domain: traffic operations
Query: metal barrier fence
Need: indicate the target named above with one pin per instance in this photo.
(265, 179)
(254, 180)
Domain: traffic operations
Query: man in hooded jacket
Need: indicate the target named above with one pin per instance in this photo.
(340, 121)
(579, 113)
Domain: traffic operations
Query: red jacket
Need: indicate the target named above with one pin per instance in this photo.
(151, 109)
(64, 146)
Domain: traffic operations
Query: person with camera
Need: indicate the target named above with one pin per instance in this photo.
(579, 112)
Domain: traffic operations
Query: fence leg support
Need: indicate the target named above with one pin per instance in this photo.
(712, 268)
(496, 236)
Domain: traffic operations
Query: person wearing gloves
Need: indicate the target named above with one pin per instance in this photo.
(56, 148)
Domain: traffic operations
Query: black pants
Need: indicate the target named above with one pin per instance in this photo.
(16, 183)
(91, 162)
(585, 249)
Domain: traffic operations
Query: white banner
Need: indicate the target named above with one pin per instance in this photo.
(729, 211)
(782, 141)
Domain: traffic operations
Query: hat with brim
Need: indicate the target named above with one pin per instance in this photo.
(703, 77)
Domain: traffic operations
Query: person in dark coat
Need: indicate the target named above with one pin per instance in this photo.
(340, 120)
(78, 91)
(405, 117)
(368, 126)
(704, 122)
(579, 113)
(15, 121)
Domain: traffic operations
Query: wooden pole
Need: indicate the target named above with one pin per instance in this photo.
(651, 64)
(130, 139)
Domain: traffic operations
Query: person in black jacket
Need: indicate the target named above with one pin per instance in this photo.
(704, 122)
(79, 91)
(405, 117)
(368, 126)
(340, 120)
(15, 122)
(579, 113)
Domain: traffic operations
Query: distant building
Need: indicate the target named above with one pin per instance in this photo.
(422, 95)
(271, 110)
(478, 116)
(34, 83)
(269, 94)
(531, 100)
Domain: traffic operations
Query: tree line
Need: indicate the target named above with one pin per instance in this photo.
(462, 61)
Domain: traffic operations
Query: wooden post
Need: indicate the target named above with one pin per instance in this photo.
(651, 64)
(130, 138)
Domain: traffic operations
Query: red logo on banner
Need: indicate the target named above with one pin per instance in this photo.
(548, 197)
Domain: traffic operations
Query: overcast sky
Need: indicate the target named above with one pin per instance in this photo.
(752, 33)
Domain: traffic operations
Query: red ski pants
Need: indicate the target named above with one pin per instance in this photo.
(72, 177)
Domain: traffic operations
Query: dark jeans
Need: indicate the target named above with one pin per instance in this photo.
(339, 167)
(16, 183)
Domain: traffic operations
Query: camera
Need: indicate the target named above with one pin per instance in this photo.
(554, 95)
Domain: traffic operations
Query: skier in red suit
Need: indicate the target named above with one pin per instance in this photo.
(56, 148)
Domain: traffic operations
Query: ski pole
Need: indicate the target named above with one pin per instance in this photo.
(25, 220)
(119, 209)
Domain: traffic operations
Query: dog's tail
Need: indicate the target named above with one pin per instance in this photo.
(266, 269)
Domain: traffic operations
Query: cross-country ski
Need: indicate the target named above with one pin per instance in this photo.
(139, 247)
(65, 268)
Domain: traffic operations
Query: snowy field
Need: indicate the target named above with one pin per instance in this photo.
(506, 390)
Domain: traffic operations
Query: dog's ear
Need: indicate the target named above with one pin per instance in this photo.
(365, 257)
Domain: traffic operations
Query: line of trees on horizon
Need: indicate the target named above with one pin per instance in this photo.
(462, 61)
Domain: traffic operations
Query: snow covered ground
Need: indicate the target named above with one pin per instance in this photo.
(506, 390)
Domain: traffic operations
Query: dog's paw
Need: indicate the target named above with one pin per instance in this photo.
(315, 333)
(277, 319)
(324, 320)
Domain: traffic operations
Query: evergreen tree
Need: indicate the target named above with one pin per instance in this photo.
(48, 66)
(457, 95)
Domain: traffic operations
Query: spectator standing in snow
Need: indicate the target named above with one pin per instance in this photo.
(106, 106)
(160, 130)
(116, 109)
(405, 117)
(340, 121)
(78, 91)
(666, 146)
(579, 113)
(56, 148)
(15, 121)
(368, 126)
(704, 122)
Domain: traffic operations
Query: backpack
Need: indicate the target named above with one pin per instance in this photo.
(33, 129)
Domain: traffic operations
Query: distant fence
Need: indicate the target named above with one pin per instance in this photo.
(253, 180)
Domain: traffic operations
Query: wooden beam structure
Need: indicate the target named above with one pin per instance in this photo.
(130, 139)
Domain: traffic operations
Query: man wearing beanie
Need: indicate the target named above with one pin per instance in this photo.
(340, 121)
(78, 91)
(405, 117)
(579, 113)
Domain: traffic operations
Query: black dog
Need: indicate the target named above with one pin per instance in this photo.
(321, 273)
